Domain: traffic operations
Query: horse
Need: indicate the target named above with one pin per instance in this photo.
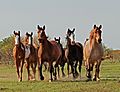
(93, 53)
(73, 53)
(18, 55)
(63, 60)
(30, 55)
(49, 51)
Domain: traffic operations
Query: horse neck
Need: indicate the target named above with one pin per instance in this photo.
(93, 43)
(45, 46)
(31, 43)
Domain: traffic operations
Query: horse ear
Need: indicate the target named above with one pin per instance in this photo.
(31, 33)
(68, 30)
(94, 26)
(47, 37)
(55, 38)
(14, 32)
(73, 29)
(44, 27)
(38, 27)
(19, 32)
(26, 33)
(100, 26)
(59, 38)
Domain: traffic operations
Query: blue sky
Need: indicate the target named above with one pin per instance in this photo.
(59, 15)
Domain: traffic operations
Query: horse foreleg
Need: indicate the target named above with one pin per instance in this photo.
(58, 72)
(68, 69)
(21, 70)
(41, 75)
(76, 73)
(88, 72)
(18, 74)
(28, 70)
(97, 70)
(62, 69)
(33, 66)
(80, 65)
(40, 62)
(74, 69)
(51, 71)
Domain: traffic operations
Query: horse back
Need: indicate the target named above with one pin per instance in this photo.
(56, 49)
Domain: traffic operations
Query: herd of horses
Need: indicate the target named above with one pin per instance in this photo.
(52, 52)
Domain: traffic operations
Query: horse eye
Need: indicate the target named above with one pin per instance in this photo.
(95, 31)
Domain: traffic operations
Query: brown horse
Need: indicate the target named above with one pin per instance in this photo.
(48, 51)
(31, 55)
(93, 52)
(63, 59)
(19, 55)
(73, 53)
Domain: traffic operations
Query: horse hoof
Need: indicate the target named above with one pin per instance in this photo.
(89, 80)
(94, 79)
(33, 79)
(55, 78)
(42, 78)
(98, 79)
(19, 80)
(63, 75)
(50, 81)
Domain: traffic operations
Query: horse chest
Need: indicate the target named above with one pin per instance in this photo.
(96, 53)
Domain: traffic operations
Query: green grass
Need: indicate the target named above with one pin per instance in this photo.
(109, 74)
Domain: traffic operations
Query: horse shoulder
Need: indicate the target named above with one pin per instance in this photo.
(86, 50)
(56, 47)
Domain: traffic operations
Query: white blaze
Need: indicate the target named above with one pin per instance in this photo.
(16, 39)
(29, 41)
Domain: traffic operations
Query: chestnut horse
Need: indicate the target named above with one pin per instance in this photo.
(63, 59)
(73, 53)
(31, 55)
(18, 55)
(49, 51)
(93, 52)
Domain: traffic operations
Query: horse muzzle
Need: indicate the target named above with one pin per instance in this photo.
(40, 40)
(99, 40)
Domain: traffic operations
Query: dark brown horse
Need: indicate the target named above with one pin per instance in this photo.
(93, 52)
(31, 55)
(63, 59)
(19, 55)
(73, 53)
(48, 51)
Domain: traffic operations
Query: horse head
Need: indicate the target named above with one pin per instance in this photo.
(17, 37)
(70, 37)
(28, 38)
(96, 33)
(41, 34)
(57, 40)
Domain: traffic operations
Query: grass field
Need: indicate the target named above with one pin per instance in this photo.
(109, 74)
